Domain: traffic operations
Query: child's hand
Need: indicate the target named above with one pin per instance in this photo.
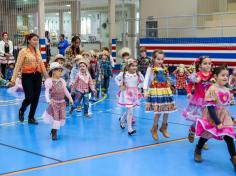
(51, 102)
(189, 96)
(198, 79)
(232, 102)
(234, 122)
(145, 94)
(213, 80)
(11, 84)
(71, 102)
(220, 126)
(99, 78)
(94, 93)
(122, 87)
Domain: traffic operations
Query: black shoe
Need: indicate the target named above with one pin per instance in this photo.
(21, 116)
(33, 121)
(54, 134)
(131, 132)
(71, 110)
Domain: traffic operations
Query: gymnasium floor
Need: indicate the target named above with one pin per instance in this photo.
(98, 147)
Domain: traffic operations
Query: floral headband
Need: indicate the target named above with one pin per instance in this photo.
(197, 60)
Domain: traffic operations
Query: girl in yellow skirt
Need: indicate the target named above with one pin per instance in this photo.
(159, 98)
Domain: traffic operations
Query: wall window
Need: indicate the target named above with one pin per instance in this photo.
(86, 25)
(151, 29)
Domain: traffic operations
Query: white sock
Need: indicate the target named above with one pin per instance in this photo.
(123, 117)
(129, 120)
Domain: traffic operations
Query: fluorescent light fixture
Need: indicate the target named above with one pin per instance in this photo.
(68, 5)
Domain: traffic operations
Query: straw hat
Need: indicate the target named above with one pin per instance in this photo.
(84, 61)
(59, 56)
(55, 65)
(123, 51)
(86, 53)
(77, 58)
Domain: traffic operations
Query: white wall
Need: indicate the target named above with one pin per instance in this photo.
(160, 8)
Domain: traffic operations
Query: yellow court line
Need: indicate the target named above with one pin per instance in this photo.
(93, 157)
(102, 99)
(39, 119)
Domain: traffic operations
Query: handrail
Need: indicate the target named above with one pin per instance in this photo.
(181, 16)
(193, 22)
(190, 27)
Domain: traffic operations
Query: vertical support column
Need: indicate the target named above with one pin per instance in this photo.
(41, 14)
(42, 41)
(123, 24)
(11, 25)
(223, 6)
(131, 28)
(75, 17)
(61, 22)
(111, 21)
(35, 22)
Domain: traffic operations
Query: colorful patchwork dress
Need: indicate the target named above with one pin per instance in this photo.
(220, 98)
(159, 95)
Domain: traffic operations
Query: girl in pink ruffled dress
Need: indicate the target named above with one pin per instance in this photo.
(129, 95)
(18, 86)
(55, 93)
(216, 121)
(201, 81)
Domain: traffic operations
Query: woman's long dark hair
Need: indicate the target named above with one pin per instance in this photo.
(220, 68)
(75, 50)
(199, 62)
(29, 37)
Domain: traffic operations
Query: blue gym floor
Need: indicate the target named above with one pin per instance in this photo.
(97, 146)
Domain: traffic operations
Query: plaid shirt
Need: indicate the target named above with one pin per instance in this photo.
(106, 69)
(143, 64)
(28, 62)
(82, 83)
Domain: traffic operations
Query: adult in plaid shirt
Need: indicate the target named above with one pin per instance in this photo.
(31, 65)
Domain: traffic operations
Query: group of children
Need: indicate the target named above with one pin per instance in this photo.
(90, 73)
(209, 92)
